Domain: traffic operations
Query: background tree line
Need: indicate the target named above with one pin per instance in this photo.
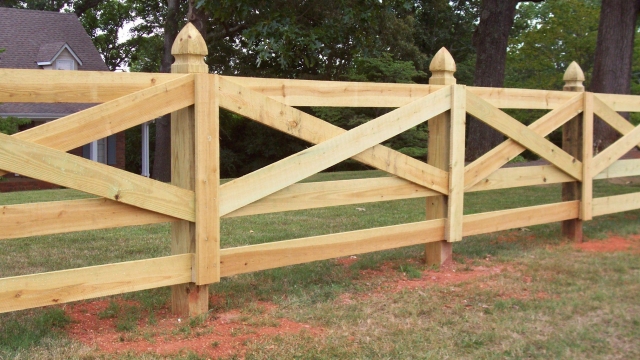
(495, 43)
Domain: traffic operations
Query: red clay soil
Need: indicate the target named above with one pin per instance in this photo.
(222, 335)
(394, 281)
(447, 275)
(225, 334)
(611, 244)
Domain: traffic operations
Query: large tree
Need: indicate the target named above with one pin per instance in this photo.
(162, 154)
(490, 39)
(614, 54)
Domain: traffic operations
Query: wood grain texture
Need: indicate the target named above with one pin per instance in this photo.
(587, 155)
(453, 227)
(438, 148)
(611, 117)
(112, 117)
(482, 167)
(207, 180)
(252, 258)
(109, 118)
(616, 150)
(619, 102)
(258, 184)
(189, 49)
(74, 215)
(620, 168)
(357, 94)
(283, 118)
(57, 167)
(523, 135)
(516, 218)
(616, 204)
(29, 291)
(19, 85)
(522, 176)
(79, 215)
(334, 193)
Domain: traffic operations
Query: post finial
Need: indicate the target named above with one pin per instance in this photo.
(189, 50)
(573, 78)
(442, 68)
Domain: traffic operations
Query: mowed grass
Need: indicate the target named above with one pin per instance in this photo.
(549, 301)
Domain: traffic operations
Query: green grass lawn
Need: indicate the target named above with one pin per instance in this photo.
(590, 307)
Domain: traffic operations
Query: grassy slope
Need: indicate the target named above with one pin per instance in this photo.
(590, 308)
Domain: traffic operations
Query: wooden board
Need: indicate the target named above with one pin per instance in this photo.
(334, 193)
(453, 225)
(19, 85)
(77, 215)
(258, 184)
(335, 93)
(24, 292)
(207, 180)
(107, 119)
(521, 176)
(620, 168)
(587, 155)
(619, 102)
(296, 123)
(616, 150)
(482, 167)
(516, 218)
(616, 204)
(620, 124)
(523, 135)
(252, 258)
(57, 167)
(522, 98)
(358, 94)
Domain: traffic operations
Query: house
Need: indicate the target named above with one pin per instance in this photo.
(48, 41)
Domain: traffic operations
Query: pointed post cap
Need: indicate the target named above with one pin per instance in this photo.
(442, 68)
(573, 78)
(189, 50)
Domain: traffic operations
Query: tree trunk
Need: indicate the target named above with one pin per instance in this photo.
(614, 54)
(162, 157)
(490, 40)
(198, 17)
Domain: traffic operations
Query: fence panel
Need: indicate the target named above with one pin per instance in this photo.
(195, 202)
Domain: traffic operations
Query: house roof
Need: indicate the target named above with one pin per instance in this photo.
(28, 36)
(49, 52)
(41, 111)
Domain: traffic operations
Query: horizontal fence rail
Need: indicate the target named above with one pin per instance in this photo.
(195, 201)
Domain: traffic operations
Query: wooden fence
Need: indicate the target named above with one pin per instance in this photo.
(195, 201)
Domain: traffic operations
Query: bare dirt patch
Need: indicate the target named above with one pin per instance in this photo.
(613, 243)
(447, 275)
(220, 335)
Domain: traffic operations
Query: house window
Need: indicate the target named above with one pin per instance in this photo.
(64, 64)
(102, 151)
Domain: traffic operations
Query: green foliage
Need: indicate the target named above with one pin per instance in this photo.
(23, 332)
(10, 125)
(450, 24)
(111, 312)
(546, 38)
(103, 23)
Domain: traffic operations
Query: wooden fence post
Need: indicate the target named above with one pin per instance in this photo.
(442, 68)
(189, 50)
(572, 139)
